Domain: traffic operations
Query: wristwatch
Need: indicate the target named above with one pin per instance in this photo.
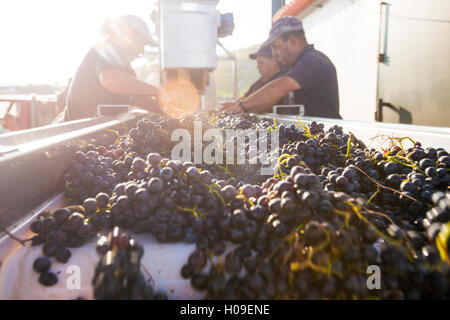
(241, 105)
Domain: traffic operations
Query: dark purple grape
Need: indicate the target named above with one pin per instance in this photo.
(63, 256)
(42, 264)
(154, 159)
(102, 199)
(229, 192)
(89, 205)
(155, 185)
(48, 279)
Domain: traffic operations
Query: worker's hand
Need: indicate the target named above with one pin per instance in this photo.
(234, 109)
(231, 107)
(228, 105)
(149, 103)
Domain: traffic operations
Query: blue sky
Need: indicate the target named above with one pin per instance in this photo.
(43, 41)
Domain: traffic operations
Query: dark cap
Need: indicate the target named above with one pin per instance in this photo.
(263, 51)
(282, 26)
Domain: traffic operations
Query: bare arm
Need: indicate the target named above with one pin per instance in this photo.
(149, 103)
(120, 82)
(266, 97)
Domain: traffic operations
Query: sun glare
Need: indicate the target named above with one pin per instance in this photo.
(44, 41)
(178, 96)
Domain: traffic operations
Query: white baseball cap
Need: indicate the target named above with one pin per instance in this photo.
(140, 26)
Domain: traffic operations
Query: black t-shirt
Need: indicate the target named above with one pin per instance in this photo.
(86, 92)
(261, 83)
(316, 75)
(258, 84)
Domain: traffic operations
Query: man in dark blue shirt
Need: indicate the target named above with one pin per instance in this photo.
(312, 76)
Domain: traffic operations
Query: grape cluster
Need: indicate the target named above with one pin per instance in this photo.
(63, 229)
(46, 278)
(438, 217)
(332, 209)
(168, 203)
(150, 135)
(166, 198)
(57, 232)
(90, 173)
(303, 242)
(239, 121)
(117, 274)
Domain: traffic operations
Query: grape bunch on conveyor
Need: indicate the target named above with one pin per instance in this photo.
(332, 210)
(118, 274)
